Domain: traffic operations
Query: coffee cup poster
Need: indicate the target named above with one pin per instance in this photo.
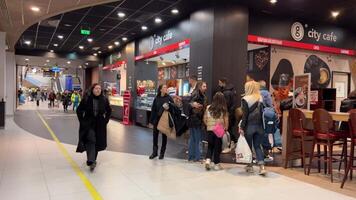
(301, 91)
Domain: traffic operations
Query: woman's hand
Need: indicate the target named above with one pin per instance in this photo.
(166, 106)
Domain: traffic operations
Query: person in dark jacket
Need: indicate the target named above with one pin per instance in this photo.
(346, 105)
(251, 125)
(160, 103)
(195, 121)
(66, 99)
(94, 113)
(230, 97)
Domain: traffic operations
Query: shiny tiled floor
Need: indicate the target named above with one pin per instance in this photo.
(34, 168)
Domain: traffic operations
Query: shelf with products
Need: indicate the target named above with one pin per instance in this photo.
(146, 92)
(116, 100)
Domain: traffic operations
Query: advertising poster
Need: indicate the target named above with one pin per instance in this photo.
(301, 88)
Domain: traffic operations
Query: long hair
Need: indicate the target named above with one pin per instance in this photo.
(218, 106)
(159, 93)
(90, 92)
(252, 89)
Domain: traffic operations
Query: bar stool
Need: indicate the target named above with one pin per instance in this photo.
(352, 128)
(297, 121)
(325, 135)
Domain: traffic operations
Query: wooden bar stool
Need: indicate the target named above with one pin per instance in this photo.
(325, 135)
(352, 129)
(299, 133)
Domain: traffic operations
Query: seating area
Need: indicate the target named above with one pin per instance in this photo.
(319, 142)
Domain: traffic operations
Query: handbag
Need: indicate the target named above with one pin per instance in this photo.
(218, 130)
(163, 125)
(243, 151)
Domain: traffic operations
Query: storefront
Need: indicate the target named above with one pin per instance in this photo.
(162, 58)
(281, 49)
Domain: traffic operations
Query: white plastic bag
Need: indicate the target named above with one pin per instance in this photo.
(226, 140)
(243, 151)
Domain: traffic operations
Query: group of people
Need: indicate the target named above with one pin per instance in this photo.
(202, 120)
(222, 115)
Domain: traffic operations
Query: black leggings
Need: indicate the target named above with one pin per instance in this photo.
(155, 141)
(214, 147)
(90, 147)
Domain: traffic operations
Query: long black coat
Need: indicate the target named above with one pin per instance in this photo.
(88, 121)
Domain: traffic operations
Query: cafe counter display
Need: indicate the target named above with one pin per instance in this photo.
(116, 103)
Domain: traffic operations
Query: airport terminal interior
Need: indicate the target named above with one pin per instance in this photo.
(177, 99)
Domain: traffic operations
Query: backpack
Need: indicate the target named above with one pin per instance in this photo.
(269, 116)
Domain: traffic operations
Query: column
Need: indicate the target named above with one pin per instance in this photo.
(11, 90)
(2, 66)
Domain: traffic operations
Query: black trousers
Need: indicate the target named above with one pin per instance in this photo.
(38, 102)
(232, 126)
(90, 147)
(51, 103)
(155, 141)
(214, 147)
(65, 106)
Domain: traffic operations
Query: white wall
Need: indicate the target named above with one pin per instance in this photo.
(11, 94)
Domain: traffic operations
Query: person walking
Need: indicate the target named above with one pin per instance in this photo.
(75, 100)
(214, 115)
(195, 122)
(251, 125)
(93, 113)
(66, 99)
(38, 97)
(51, 98)
(160, 103)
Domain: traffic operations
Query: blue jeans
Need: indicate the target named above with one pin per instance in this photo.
(75, 105)
(194, 144)
(254, 135)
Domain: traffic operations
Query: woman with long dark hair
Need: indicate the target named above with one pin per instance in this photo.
(94, 113)
(195, 122)
(160, 103)
(215, 114)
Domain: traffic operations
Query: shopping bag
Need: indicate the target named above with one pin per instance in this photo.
(226, 140)
(243, 151)
(163, 125)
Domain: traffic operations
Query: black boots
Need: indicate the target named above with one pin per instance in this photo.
(153, 155)
(161, 156)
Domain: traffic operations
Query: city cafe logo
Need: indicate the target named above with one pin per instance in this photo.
(158, 40)
(298, 32)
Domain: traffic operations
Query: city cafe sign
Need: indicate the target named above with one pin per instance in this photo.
(298, 32)
(158, 40)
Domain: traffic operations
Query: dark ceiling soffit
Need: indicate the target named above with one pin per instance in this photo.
(43, 53)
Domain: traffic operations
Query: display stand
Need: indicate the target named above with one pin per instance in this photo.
(126, 110)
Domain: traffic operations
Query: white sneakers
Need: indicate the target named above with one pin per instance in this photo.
(230, 149)
(209, 164)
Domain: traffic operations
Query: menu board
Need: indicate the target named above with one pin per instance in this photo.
(301, 88)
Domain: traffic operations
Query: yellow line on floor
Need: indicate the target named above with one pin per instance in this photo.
(93, 192)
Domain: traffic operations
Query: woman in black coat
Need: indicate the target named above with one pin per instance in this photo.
(94, 112)
(160, 103)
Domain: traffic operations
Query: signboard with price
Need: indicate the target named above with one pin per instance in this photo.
(126, 110)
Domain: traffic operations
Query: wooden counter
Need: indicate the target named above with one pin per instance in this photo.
(288, 144)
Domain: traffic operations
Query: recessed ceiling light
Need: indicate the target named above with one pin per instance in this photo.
(90, 39)
(175, 11)
(99, 52)
(102, 29)
(163, 63)
(110, 46)
(334, 14)
(68, 62)
(124, 38)
(117, 43)
(95, 54)
(273, 1)
(47, 60)
(86, 63)
(56, 45)
(158, 20)
(27, 59)
(51, 51)
(121, 14)
(67, 25)
(60, 36)
(80, 66)
(28, 42)
(45, 64)
(81, 47)
(35, 8)
(144, 28)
